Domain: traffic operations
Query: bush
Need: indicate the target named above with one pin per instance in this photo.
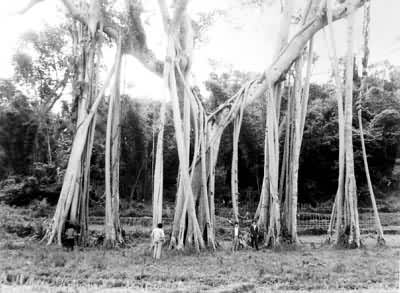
(19, 229)
(20, 194)
(41, 209)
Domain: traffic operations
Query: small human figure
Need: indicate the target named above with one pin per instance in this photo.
(69, 236)
(235, 244)
(157, 238)
(254, 234)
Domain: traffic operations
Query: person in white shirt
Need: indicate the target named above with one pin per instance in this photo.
(157, 238)
(235, 237)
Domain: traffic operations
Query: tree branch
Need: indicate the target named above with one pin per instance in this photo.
(135, 41)
(164, 14)
(75, 13)
(108, 29)
(289, 54)
(29, 6)
(180, 8)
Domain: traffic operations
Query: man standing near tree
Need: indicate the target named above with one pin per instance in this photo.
(254, 234)
(157, 237)
(235, 244)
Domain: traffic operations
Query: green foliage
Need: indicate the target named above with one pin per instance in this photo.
(7, 91)
(139, 129)
(22, 141)
(318, 160)
(202, 22)
(26, 131)
(17, 132)
(41, 63)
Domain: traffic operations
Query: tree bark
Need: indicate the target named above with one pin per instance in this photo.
(234, 168)
(71, 192)
(347, 222)
(185, 192)
(112, 225)
(379, 230)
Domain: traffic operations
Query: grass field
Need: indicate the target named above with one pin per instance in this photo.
(308, 267)
(28, 266)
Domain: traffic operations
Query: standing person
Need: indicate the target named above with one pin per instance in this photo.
(254, 234)
(157, 237)
(235, 237)
(69, 236)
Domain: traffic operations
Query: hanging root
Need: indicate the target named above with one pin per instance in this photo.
(379, 230)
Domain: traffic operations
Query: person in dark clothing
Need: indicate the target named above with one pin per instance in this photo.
(254, 234)
(70, 235)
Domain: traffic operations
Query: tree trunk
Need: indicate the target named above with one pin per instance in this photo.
(158, 171)
(379, 230)
(112, 226)
(347, 222)
(185, 192)
(71, 204)
(74, 198)
(337, 209)
(270, 218)
(234, 169)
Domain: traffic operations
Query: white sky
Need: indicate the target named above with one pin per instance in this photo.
(245, 42)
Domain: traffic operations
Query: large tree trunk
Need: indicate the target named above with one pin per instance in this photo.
(113, 231)
(185, 204)
(337, 210)
(347, 222)
(296, 114)
(294, 119)
(158, 170)
(234, 168)
(74, 198)
(270, 218)
(227, 112)
(70, 205)
(272, 139)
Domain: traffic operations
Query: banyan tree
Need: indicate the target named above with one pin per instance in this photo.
(200, 129)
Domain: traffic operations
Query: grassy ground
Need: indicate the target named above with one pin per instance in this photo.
(313, 266)
(308, 267)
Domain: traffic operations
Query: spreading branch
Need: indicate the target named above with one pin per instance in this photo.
(164, 14)
(74, 12)
(289, 54)
(31, 4)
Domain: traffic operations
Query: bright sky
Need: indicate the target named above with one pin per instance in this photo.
(244, 41)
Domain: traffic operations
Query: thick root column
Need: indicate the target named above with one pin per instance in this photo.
(237, 123)
(185, 203)
(113, 231)
(71, 190)
(158, 171)
(295, 119)
(379, 230)
(347, 221)
(272, 141)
